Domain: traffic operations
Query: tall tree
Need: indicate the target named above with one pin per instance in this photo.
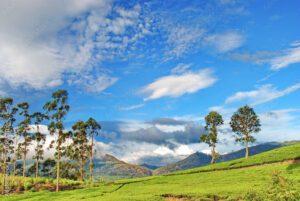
(244, 123)
(7, 118)
(213, 121)
(79, 148)
(93, 128)
(17, 152)
(57, 110)
(24, 131)
(40, 139)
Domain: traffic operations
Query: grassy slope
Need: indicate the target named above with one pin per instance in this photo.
(197, 184)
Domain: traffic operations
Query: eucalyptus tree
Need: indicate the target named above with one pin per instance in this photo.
(213, 121)
(24, 130)
(7, 119)
(40, 139)
(17, 152)
(244, 123)
(57, 110)
(93, 128)
(79, 148)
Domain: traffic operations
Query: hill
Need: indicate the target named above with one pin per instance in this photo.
(109, 167)
(200, 159)
(223, 181)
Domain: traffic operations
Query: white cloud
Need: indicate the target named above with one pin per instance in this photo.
(279, 125)
(181, 39)
(181, 68)
(290, 56)
(93, 83)
(178, 85)
(225, 42)
(132, 107)
(43, 42)
(262, 94)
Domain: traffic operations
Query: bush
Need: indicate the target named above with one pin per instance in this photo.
(281, 189)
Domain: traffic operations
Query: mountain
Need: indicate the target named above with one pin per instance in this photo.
(151, 167)
(252, 151)
(195, 160)
(200, 159)
(111, 167)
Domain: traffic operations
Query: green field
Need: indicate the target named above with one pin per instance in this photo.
(227, 181)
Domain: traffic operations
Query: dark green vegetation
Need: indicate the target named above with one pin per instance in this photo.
(267, 176)
(19, 129)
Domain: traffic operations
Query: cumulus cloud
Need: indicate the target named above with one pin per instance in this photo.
(225, 42)
(178, 85)
(262, 94)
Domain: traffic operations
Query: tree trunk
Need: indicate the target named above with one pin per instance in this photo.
(14, 170)
(37, 158)
(213, 154)
(57, 168)
(81, 171)
(247, 151)
(24, 159)
(91, 161)
(37, 168)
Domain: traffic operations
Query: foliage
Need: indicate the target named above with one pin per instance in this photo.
(57, 109)
(79, 149)
(244, 123)
(223, 185)
(24, 131)
(213, 120)
(92, 129)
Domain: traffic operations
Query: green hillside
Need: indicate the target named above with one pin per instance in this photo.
(223, 181)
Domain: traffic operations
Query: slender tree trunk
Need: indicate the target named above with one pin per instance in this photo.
(37, 168)
(91, 161)
(247, 151)
(213, 154)
(58, 168)
(81, 171)
(4, 172)
(24, 159)
(14, 170)
(37, 159)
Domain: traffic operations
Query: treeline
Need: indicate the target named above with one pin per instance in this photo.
(244, 123)
(17, 134)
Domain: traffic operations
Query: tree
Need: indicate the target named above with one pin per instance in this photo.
(48, 167)
(40, 139)
(24, 131)
(79, 148)
(93, 128)
(213, 120)
(7, 118)
(57, 110)
(244, 123)
(17, 152)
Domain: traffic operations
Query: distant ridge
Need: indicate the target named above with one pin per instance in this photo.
(200, 159)
(109, 165)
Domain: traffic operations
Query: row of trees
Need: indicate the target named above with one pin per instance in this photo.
(244, 123)
(17, 134)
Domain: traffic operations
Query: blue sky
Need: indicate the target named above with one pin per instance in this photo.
(151, 70)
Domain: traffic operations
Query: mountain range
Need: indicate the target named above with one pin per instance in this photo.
(110, 168)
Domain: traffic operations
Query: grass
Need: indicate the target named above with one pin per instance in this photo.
(190, 184)
(19, 184)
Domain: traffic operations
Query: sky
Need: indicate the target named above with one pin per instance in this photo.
(149, 71)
